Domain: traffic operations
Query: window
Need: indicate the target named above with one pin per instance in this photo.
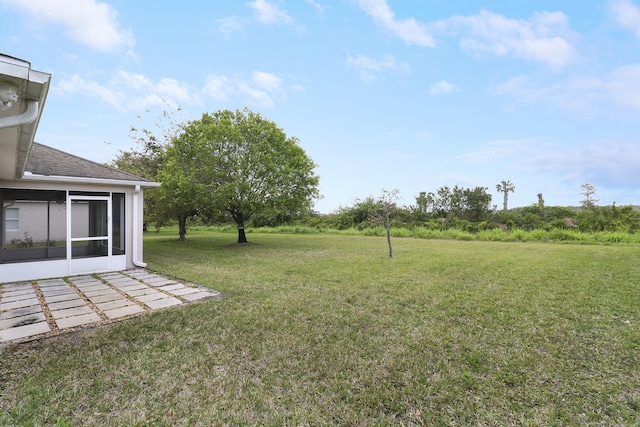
(117, 218)
(12, 219)
(33, 226)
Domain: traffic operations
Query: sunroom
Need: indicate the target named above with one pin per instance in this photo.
(61, 214)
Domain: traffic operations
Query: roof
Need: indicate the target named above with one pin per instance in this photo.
(48, 161)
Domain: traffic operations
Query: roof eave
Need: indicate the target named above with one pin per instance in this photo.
(28, 176)
(33, 86)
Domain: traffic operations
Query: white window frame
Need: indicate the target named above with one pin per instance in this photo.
(10, 219)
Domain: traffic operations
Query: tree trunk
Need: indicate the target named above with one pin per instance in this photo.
(506, 200)
(242, 237)
(182, 226)
(387, 226)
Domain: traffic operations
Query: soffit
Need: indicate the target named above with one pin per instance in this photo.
(16, 141)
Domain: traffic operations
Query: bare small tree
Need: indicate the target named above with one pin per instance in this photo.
(387, 201)
(505, 187)
(589, 193)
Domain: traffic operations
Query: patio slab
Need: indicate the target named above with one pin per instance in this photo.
(19, 304)
(127, 310)
(17, 321)
(63, 305)
(163, 303)
(73, 321)
(20, 312)
(110, 305)
(19, 297)
(19, 332)
(106, 298)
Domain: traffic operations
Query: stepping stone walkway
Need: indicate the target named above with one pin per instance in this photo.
(31, 309)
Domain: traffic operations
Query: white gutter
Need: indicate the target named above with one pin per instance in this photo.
(136, 229)
(28, 176)
(29, 116)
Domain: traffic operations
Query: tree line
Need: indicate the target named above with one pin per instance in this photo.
(236, 167)
(471, 210)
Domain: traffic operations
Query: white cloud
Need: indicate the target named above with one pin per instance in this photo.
(527, 92)
(612, 164)
(134, 92)
(260, 90)
(318, 7)
(627, 15)
(442, 87)
(498, 150)
(370, 68)
(608, 163)
(128, 91)
(218, 87)
(619, 88)
(542, 38)
(545, 37)
(270, 14)
(267, 81)
(409, 30)
(623, 86)
(89, 22)
(254, 96)
(230, 24)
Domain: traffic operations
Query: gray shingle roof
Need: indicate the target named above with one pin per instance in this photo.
(44, 160)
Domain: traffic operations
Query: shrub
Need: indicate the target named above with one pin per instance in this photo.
(494, 234)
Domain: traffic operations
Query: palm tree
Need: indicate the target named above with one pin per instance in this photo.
(505, 187)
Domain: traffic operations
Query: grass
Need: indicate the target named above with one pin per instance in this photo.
(324, 329)
(494, 234)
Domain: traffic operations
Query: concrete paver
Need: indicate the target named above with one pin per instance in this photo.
(19, 304)
(127, 310)
(152, 297)
(16, 286)
(84, 319)
(110, 305)
(98, 292)
(184, 291)
(19, 297)
(160, 281)
(140, 292)
(132, 287)
(198, 296)
(64, 297)
(28, 319)
(77, 302)
(172, 287)
(106, 298)
(24, 331)
(58, 290)
(69, 312)
(87, 299)
(163, 303)
(20, 312)
(51, 282)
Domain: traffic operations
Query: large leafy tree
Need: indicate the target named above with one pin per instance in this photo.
(148, 159)
(240, 164)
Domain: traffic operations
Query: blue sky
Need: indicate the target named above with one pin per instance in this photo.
(382, 94)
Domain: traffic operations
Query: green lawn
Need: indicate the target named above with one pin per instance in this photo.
(327, 330)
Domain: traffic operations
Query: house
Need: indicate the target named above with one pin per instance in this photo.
(61, 215)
